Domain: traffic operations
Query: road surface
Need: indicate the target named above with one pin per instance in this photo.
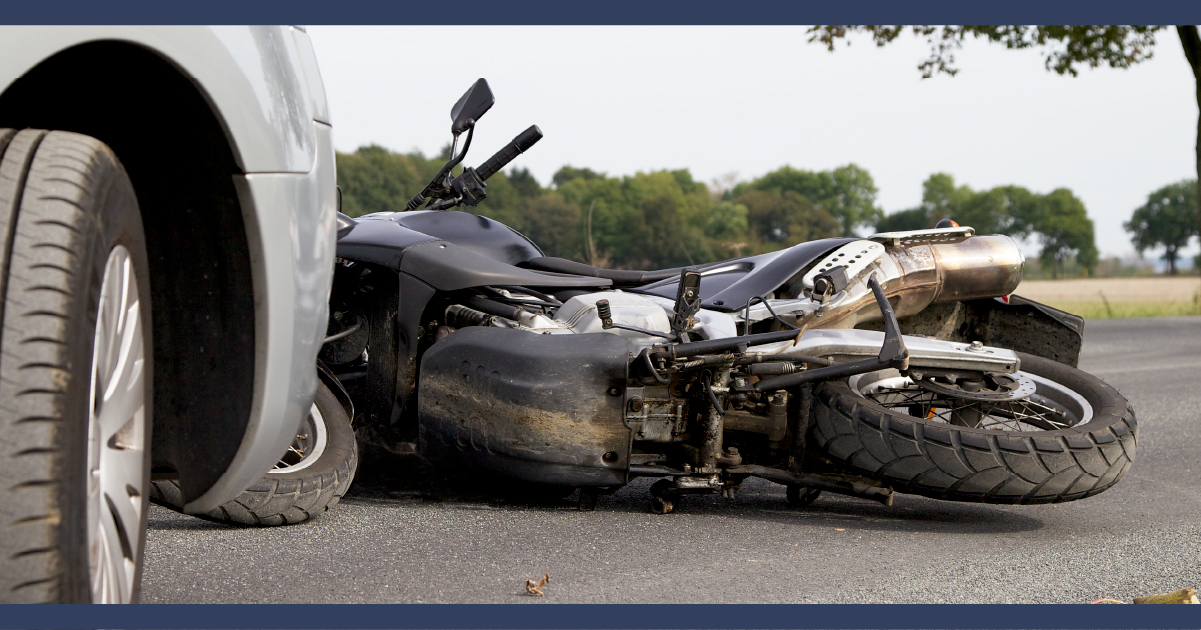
(401, 536)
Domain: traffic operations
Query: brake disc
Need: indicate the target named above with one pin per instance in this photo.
(1008, 387)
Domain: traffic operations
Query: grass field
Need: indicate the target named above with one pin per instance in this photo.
(1105, 298)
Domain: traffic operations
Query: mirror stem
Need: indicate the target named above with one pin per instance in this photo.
(436, 187)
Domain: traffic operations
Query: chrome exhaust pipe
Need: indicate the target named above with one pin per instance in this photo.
(926, 267)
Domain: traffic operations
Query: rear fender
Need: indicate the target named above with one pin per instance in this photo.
(1020, 324)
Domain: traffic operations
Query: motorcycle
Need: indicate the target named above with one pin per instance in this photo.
(899, 362)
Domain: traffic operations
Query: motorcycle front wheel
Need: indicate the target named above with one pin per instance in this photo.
(309, 479)
(1053, 434)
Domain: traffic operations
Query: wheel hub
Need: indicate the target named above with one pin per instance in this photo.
(993, 387)
(116, 435)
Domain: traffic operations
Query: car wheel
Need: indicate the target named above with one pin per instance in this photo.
(75, 360)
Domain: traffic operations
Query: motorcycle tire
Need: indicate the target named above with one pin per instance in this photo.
(921, 454)
(75, 372)
(311, 477)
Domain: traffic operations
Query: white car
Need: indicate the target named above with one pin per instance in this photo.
(167, 228)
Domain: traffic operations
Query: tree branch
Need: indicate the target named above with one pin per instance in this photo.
(1192, 47)
(1191, 41)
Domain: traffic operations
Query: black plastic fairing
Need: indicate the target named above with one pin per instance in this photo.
(378, 241)
(728, 286)
(479, 234)
(769, 277)
(448, 267)
(540, 408)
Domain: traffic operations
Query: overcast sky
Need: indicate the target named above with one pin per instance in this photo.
(748, 100)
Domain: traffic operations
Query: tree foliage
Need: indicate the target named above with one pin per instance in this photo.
(1065, 230)
(1066, 47)
(1057, 219)
(374, 179)
(846, 193)
(666, 219)
(1169, 220)
(646, 220)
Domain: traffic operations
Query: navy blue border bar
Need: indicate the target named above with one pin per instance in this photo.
(601, 12)
(587, 616)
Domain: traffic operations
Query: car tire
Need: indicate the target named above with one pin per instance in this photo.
(303, 484)
(75, 366)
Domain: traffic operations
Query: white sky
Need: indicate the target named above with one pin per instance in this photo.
(622, 99)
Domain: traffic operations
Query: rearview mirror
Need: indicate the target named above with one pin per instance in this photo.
(470, 107)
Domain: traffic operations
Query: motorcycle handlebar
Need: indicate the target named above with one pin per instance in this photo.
(519, 145)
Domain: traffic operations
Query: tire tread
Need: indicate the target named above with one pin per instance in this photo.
(1009, 469)
(48, 179)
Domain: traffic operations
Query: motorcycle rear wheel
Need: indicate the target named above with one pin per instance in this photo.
(1073, 438)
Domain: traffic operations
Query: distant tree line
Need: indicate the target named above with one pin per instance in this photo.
(1056, 219)
(646, 220)
(667, 219)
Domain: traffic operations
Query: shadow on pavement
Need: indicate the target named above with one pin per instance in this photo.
(386, 479)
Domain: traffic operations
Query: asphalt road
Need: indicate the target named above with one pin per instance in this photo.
(401, 536)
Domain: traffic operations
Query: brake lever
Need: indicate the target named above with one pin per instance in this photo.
(443, 204)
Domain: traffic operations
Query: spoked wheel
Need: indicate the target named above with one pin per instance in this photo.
(1021, 402)
(117, 432)
(309, 478)
(1046, 434)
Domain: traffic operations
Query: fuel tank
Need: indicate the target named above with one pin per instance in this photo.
(479, 234)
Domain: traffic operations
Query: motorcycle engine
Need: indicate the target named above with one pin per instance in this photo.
(579, 314)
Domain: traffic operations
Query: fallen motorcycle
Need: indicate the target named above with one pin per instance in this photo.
(861, 366)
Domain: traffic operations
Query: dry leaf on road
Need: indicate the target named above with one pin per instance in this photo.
(535, 588)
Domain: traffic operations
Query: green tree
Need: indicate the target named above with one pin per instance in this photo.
(847, 193)
(1065, 231)
(374, 179)
(776, 220)
(554, 224)
(569, 173)
(1169, 220)
(1065, 47)
(904, 220)
(727, 228)
(1009, 210)
(525, 184)
(650, 220)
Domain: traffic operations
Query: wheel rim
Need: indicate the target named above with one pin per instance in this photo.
(116, 435)
(307, 447)
(1039, 404)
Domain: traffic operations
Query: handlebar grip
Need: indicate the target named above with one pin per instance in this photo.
(519, 145)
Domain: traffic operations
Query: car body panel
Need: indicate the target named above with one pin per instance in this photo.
(253, 77)
(263, 86)
(292, 283)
